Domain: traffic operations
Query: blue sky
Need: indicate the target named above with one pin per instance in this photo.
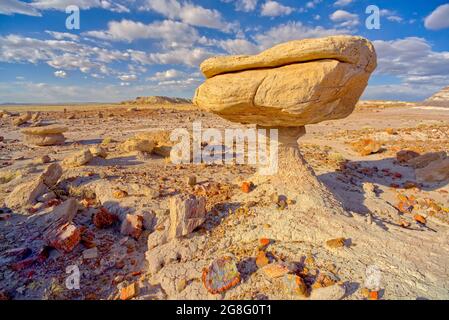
(129, 48)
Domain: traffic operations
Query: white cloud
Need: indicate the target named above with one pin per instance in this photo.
(391, 15)
(394, 18)
(10, 7)
(293, 31)
(166, 75)
(59, 54)
(60, 74)
(243, 5)
(312, 4)
(61, 5)
(421, 70)
(239, 46)
(345, 18)
(63, 35)
(342, 3)
(275, 9)
(188, 13)
(172, 32)
(128, 77)
(438, 19)
(180, 56)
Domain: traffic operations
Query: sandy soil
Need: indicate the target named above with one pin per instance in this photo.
(413, 261)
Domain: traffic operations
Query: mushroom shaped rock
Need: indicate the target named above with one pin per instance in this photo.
(44, 136)
(286, 87)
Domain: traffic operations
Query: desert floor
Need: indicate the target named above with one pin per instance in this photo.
(413, 260)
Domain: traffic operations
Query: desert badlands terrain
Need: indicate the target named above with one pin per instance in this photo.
(91, 188)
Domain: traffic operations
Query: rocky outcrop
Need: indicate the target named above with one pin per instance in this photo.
(157, 100)
(441, 98)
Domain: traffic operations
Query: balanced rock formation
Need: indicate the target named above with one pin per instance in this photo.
(292, 84)
(286, 87)
(44, 136)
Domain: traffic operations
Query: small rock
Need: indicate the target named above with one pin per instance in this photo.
(129, 292)
(419, 218)
(261, 259)
(334, 292)
(186, 213)
(64, 238)
(98, 151)
(181, 285)
(366, 146)
(294, 285)
(336, 243)
(102, 218)
(52, 174)
(23, 118)
(26, 194)
(78, 158)
(275, 270)
(221, 275)
(191, 180)
(91, 253)
(132, 226)
(134, 144)
(246, 187)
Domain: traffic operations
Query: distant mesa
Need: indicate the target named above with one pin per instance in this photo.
(439, 99)
(157, 100)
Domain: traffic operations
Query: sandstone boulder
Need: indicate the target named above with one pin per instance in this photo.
(292, 84)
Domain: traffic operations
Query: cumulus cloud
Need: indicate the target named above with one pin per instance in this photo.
(10, 7)
(61, 5)
(412, 60)
(188, 13)
(128, 77)
(63, 35)
(345, 18)
(238, 46)
(59, 54)
(181, 56)
(60, 74)
(243, 5)
(172, 32)
(166, 75)
(342, 3)
(293, 31)
(312, 4)
(275, 9)
(438, 19)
